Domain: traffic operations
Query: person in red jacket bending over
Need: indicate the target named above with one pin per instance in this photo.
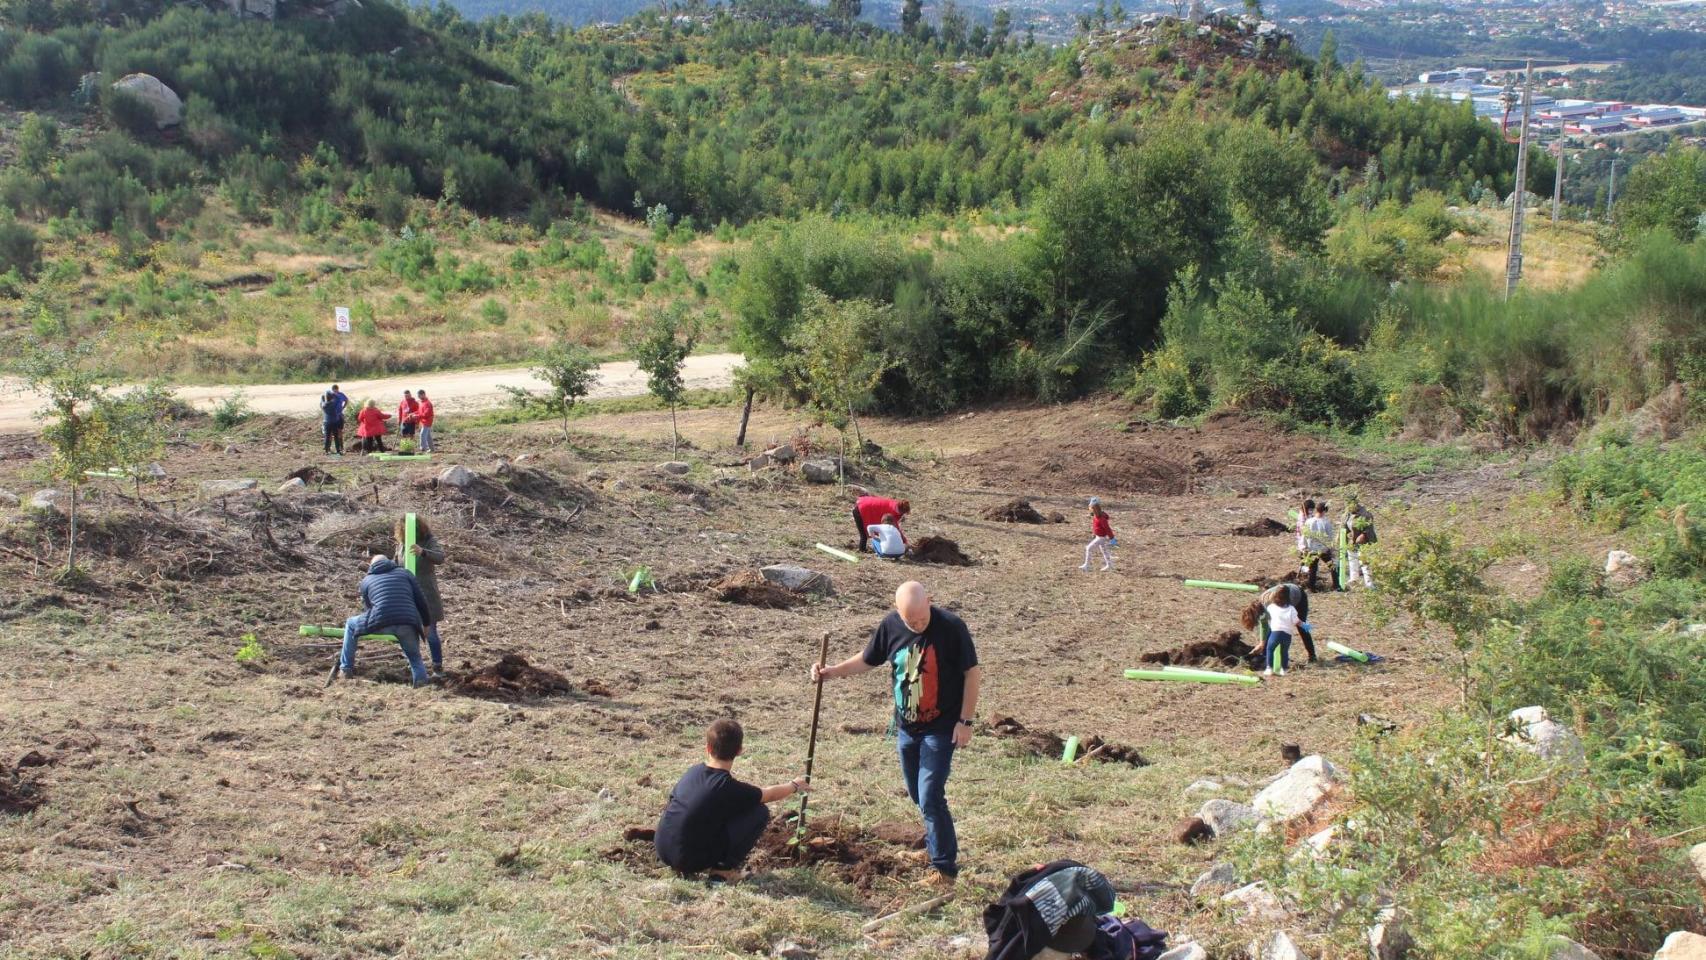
(868, 511)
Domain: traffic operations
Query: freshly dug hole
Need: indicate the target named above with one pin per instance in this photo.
(1052, 746)
(841, 849)
(18, 795)
(511, 678)
(1226, 649)
(748, 587)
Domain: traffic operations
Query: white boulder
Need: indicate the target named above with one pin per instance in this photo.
(292, 485)
(821, 471)
(1623, 569)
(458, 476)
(782, 453)
(1202, 786)
(1697, 857)
(1258, 902)
(1299, 791)
(798, 579)
(1534, 730)
(1224, 816)
(167, 106)
(49, 500)
(1185, 951)
(1221, 876)
(1682, 945)
(1278, 946)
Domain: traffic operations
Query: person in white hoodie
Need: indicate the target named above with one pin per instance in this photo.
(885, 539)
(1283, 623)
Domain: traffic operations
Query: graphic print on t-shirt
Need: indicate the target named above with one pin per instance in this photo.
(916, 667)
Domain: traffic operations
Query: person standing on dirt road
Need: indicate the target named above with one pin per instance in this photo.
(332, 404)
(713, 821)
(868, 512)
(936, 680)
(429, 555)
(391, 602)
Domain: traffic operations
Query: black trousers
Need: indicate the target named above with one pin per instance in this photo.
(332, 434)
(1315, 561)
(859, 525)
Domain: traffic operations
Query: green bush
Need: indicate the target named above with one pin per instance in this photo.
(19, 249)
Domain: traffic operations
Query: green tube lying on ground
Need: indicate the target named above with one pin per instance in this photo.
(826, 548)
(337, 633)
(1337, 647)
(1192, 672)
(1188, 677)
(399, 456)
(1218, 585)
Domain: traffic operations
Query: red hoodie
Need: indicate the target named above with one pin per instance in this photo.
(424, 414)
(407, 410)
(370, 422)
(1100, 525)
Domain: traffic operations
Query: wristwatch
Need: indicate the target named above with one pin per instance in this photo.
(965, 722)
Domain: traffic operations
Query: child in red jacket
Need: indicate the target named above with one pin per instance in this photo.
(1101, 536)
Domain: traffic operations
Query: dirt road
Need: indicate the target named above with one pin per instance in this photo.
(451, 392)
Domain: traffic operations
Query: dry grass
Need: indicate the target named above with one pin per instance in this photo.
(198, 807)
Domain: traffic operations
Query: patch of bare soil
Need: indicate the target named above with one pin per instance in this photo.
(1052, 746)
(1224, 453)
(940, 550)
(748, 587)
(18, 794)
(1227, 649)
(312, 476)
(511, 678)
(857, 857)
(1265, 527)
(1014, 511)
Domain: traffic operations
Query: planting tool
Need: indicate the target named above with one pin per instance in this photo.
(1218, 585)
(841, 554)
(1190, 677)
(1356, 655)
(811, 744)
(409, 562)
(1071, 752)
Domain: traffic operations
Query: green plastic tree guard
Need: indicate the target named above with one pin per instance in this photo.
(1192, 672)
(1356, 655)
(1071, 752)
(1218, 585)
(337, 633)
(842, 554)
(1185, 677)
(409, 542)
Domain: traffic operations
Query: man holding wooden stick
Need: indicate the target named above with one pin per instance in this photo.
(936, 680)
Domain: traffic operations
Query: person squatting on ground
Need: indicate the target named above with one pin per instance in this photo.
(423, 416)
(1101, 536)
(886, 541)
(391, 602)
(1299, 599)
(1318, 545)
(1283, 623)
(936, 680)
(370, 427)
(332, 404)
(1359, 533)
(408, 414)
(868, 511)
(712, 820)
(429, 555)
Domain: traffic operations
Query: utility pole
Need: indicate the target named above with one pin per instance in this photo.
(1513, 260)
(1557, 178)
(1611, 193)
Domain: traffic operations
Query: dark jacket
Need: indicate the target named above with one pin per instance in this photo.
(1038, 902)
(391, 596)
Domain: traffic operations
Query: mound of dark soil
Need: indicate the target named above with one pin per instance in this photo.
(1051, 746)
(1265, 527)
(311, 475)
(18, 795)
(1291, 575)
(1227, 648)
(1192, 831)
(511, 678)
(749, 587)
(939, 550)
(1014, 511)
(848, 853)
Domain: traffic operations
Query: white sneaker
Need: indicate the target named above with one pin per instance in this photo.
(1085, 568)
(1267, 673)
(1282, 671)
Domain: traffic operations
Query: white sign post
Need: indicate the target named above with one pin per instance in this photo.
(340, 320)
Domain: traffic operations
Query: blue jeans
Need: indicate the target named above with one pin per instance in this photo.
(1279, 643)
(435, 648)
(408, 640)
(925, 761)
(424, 443)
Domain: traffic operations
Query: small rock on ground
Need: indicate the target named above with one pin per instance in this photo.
(292, 485)
(1225, 816)
(798, 579)
(820, 471)
(1563, 948)
(1185, 951)
(220, 488)
(1298, 791)
(676, 467)
(1258, 902)
(1534, 730)
(1682, 945)
(1217, 879)
(789, 950)
(1697, 857)
(1202, 786)
(456, 475)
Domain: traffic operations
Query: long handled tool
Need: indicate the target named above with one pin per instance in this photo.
(811, 744)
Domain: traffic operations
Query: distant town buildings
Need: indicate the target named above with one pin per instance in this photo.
(1555, 116)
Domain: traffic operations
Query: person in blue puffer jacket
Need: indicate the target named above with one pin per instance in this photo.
(392, 602)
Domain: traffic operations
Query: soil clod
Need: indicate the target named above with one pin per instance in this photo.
(940, 550)
(1014, 511)
(1226, 649)
(511, 678)
(748, 587)
(312, 476)
(1265, 527)
(841, 849)
(18, 795)
(639, 835)
(1192, 831)
(1051, 746)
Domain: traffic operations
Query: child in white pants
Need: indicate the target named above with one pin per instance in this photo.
(1101, 536)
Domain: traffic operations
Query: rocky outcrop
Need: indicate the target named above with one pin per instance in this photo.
(1533, 729)
(1682, 945)
(1299, 791)
(163, 100)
